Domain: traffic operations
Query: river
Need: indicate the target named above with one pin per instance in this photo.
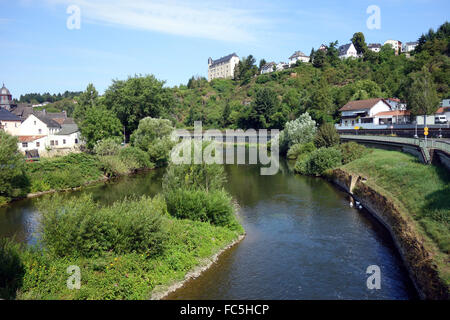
(303, 241)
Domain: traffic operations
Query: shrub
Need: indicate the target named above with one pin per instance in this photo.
(107, 147)
(199, 205)
(327, 136)
(159, 151)
(319, 161)
(11, 269)
(11, 166)
(352, 151)
(149, 130)
(79, 227)
(113, 166)
(135, 156)
(301, 130)
(302, 150)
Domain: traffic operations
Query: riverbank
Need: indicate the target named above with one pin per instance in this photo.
(411, 200)
(70, 173)
(34, 273)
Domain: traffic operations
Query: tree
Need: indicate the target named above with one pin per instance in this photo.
(327, 136)
(262, 63)
(422, 96)
(11, 166)
(99, 123)
(149, 130)
(265, 105)
(302, 130)
(319, 59)
(86, 100)
(245, 69)
(359, 41)
(136, 98)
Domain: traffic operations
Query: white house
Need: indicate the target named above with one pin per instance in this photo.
(396, 45)
(44, 134)
(268, 68)
(347, 51)
(9, 122)
(409, 46)
(298, 56)
(282, 66)
(355, 113)
(223, 67)
(375, 47)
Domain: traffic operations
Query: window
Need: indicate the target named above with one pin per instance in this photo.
(40, 131)
(64, 141)
(52, 142)
(38, 144)
(76, 141)
(35, 123)
(24, 144)
(56, 142)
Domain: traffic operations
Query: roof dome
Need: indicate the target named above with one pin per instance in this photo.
(4, 91)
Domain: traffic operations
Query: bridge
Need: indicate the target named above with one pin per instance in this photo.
(426, 150)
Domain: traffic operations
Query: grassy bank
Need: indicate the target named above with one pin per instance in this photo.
(138, 248)
(418, 190)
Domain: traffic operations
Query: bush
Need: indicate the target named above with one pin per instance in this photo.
(11, 269)
(149, 130)
(11, 166)
(327, 136)
(113, 166)
(107, 147)
(352, 151)
(79, 227)
(301, 130)
(159, 151)
(319, 161)
(199, 205)
(65, 172)
(300, 150)
(137, 158)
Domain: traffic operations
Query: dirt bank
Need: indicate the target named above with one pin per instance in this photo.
(416, 253)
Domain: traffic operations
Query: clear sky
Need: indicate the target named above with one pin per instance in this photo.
(173, 39)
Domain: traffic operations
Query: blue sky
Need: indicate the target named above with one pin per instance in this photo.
(173, 39)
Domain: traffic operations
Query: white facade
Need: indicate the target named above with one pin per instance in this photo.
(409, 46)
(298, 56)
(268, 68)
(396, 45)
(222, 68)
(11, 127)
(355, 117)
(348, 51)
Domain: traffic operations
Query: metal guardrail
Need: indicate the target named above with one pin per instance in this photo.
(425, 146)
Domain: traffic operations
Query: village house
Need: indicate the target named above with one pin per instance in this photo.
(282, 66)
(223, 67)
(366, 112)
(9, 122)
(409, 46)
(348, 51)
(269, 67)
(298, 56)
(396, 45)
(375, 47)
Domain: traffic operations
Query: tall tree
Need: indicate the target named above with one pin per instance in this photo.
(422, 96)
(86, 100)
(99, 123)
(359, 41)
(136, 98)
(11, 165)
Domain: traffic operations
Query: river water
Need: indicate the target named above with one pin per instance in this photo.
(303, 241)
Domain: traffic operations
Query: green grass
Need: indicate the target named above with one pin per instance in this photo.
(421, 191)
(128, 276)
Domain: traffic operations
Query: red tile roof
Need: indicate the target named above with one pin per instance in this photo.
(362, 104)
(29, 138)
(394, 113)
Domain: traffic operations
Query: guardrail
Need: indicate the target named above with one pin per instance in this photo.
(425, 146)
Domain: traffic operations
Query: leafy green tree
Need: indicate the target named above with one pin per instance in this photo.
(422, 96)
(11, 166)
(359, 41)
(245, 69)
(319, 59)
(99, 123)
(327, 136)
(136, 98)
(86, 100)
(299, 131)
(266, 103)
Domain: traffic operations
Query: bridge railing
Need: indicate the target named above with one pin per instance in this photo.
(424, 145)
